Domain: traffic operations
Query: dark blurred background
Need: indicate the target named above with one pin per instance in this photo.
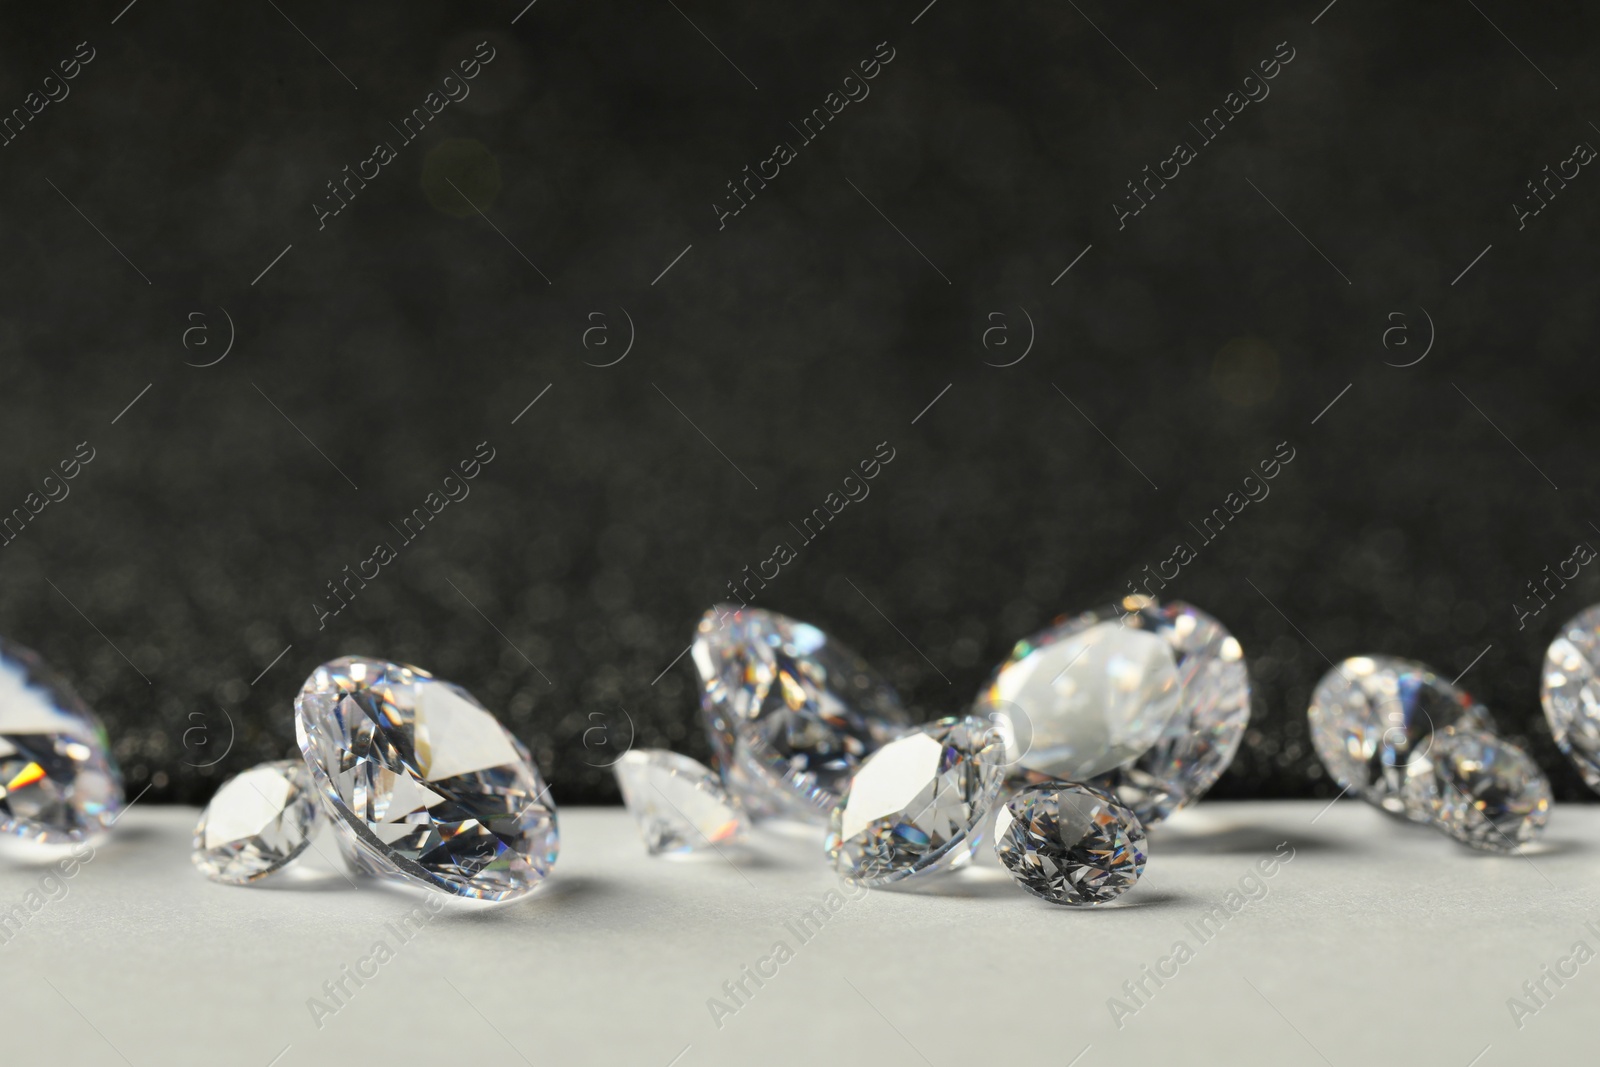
(567, 205)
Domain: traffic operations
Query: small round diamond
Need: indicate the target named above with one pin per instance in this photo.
(915, 806)
(1371, 716)
(1070, 844)
(1482, 791)
(257, 822)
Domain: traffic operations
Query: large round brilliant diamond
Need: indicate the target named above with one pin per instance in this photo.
(790, 712)
(423, 783)
(58, 782)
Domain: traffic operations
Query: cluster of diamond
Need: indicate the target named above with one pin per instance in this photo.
(1416, 746)
(1092, 729)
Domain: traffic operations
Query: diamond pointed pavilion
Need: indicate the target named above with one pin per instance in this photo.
(679, 803)
(916, 806)
(422, 782)
(1372, 715)
(58, 782)
(790, 712)
(1570, 692)
(257, 823)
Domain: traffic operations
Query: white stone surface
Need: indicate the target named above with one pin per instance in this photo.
(1379, 942)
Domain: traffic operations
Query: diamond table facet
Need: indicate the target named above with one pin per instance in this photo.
(679, 803)
(1372, 715)
(58, 782)
(257, 822)
(1070, 844)
(790, 712)
(915, 806)
(422, 782)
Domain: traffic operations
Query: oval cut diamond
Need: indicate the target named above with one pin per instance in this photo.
(422, 782)
(679, 803)
(58, 782)
(1570, 692)
(1372, 715)
(1070, 844)
(915, 806)
(1482, 791)
(790, 712)
(258, 822)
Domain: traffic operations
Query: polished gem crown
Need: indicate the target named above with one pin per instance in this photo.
(58, 782)
(1070, 844)
(790, 712)
(1570, 692)
(423, 783)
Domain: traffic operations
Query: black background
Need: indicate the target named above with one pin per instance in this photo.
(192, 549)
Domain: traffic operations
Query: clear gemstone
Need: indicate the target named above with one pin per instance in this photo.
(679, 803)
(1200, 741)
(1155, 696)
(915, 806)
(1480, 790)
(422, 782)
(791, 713)
(1372, 715)
(258, 821)
(1070, 844)
(1570, 692)
(58, 782)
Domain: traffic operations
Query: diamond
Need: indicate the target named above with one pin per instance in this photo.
(1570, 692)
(58, 782)
(422, 782)
(915, 806)
(791, 713)
(679, 803)
(1160, 691)
(1372, 715)
(1480, 790)
(1070, 844)
(258, 821)
(1200, 741)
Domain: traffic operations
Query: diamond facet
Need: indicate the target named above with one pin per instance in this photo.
(1372, 715)
(58, 782)
(1070, 844)
(915, 806)
(1570, 692)
(258, 821)
(791, 713)
(422, 782)
(1482, 791)
(1154, 696)
(679, 803)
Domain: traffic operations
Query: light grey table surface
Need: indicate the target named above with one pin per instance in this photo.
(1377, 943)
